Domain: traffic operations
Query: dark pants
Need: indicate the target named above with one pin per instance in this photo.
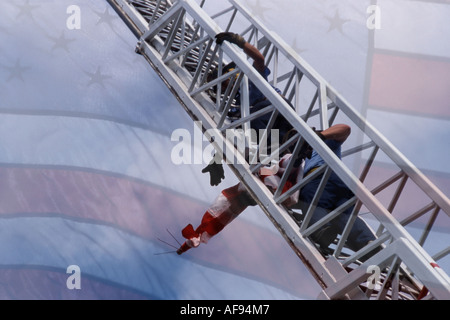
(334, 195)
(261, 122)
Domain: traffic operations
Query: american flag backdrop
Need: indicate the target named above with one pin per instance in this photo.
(87, 178)
(407, 80)
(406, 94)
(85, 144)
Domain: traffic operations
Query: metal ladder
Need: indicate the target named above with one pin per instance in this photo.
(177, 39)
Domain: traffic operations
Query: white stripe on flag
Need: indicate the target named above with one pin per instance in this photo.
(414, 26)
(117, 257)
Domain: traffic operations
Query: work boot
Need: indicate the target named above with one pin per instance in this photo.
(369, 255)
(325, 236)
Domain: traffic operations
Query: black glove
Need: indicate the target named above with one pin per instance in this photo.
(305, 151)
(215, 170)
(319, 133)
(230, 37)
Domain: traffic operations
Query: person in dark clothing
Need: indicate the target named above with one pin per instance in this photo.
(335, 194)
(257, 100)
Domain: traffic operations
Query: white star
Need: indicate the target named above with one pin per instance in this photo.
(17, 71)
(336, 22)
(105, 17)
(258, 9)
(297, 48)
(61, 42)
(97, 77)
(4, 30)
(26, 9)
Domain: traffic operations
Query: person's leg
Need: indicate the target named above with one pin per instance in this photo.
(334, 195)
(360, 234)
(262, 121)
(227, 206)
(326, 235)
(209, 227)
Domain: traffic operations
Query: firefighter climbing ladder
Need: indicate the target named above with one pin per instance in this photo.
(177, 39)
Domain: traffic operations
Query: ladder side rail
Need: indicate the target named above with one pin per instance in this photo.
(130, 15)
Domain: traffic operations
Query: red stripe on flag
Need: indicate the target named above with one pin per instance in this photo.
(148, 211)
(410, 84)
(412, 199)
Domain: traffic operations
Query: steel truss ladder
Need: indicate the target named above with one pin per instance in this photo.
(177, 39)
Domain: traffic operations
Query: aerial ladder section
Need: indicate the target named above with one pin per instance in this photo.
(177, 39)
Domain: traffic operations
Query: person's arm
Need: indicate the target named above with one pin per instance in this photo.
(250, 50)
(256, 55)
(338, 132)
